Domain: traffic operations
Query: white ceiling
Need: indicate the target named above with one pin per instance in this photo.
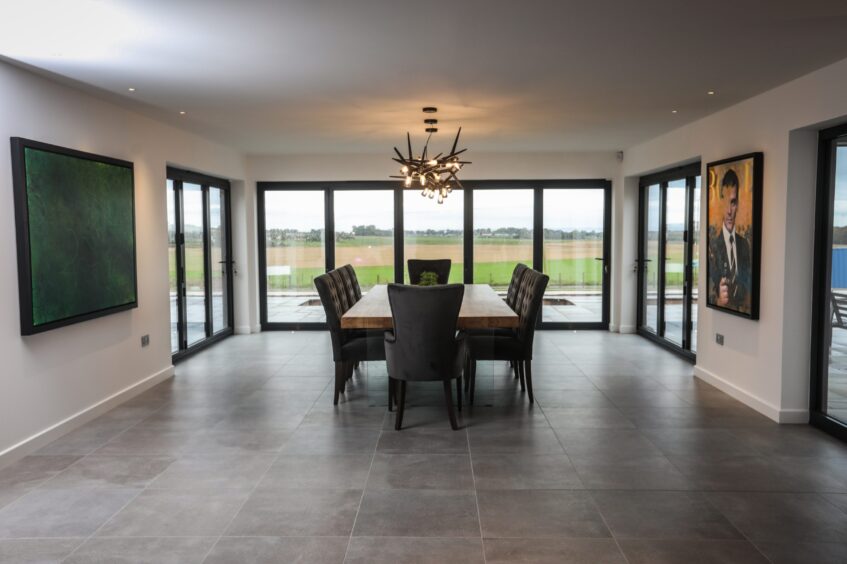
(328, 76)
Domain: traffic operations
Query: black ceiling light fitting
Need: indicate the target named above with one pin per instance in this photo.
(436, 175)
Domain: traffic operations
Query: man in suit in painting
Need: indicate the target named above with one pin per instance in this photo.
(730, 264)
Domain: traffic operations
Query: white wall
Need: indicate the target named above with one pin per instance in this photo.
(764, 363)
(50, 377)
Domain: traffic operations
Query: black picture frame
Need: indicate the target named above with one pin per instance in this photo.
(23, 230)
(715, 267)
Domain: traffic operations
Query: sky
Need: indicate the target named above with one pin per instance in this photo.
(840, 219)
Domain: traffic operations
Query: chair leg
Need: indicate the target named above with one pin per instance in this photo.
(390, 393)
(521, 372)
(398, 421)
(514, 366)
(467, 373)
(459, 393)
(473, 382)
(339, 380)
(448, 398)
(528, 377)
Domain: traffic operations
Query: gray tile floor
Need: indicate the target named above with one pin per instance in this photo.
(242, 458)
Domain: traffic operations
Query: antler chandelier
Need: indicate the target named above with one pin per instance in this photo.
(435, 175)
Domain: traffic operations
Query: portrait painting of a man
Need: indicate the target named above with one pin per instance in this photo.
(734, 200)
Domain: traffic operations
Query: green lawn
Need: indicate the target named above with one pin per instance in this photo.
(581, 272)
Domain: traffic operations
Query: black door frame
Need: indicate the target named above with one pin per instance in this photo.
(689, 173)
(178, 177)
(538, 187)
(822, 282)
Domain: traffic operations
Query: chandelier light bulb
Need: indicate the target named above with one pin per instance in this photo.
(405, 169)
(440, 199)
(423, 180)
(431, 194)
(408, 181)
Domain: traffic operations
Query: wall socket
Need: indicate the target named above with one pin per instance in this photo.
(719, 339)
(145, 340)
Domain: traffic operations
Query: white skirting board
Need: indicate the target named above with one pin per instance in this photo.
(80, 418)
(765, 408)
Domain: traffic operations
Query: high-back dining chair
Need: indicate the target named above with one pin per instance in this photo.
(441, 268)
(424, 346)
(338, 294)
(517, 347)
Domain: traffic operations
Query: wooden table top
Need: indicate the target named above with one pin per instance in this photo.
(481, 308)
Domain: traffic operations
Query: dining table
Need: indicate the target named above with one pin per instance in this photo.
(482, 308)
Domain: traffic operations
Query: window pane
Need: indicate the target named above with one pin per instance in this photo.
(217, 233)
(836, 387)
(294, 239)
(573, 255)
(364, 234)
(695, 263)
(674, 259)
(195, 269)
(651, 254)
(434, 231)
(172, 281)
(502, 235)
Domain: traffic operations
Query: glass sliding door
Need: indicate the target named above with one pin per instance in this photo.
(219, 259)
(200, 265)
(560, 227)
(173, 266)
(667, 261)
(194, 249)
(676, 201)
(502, 235)
(434, 231)
(575, 255)
(364, 234)
(650, 282)
(294, 254)
(829, 314)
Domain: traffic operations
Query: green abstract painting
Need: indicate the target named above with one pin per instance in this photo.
(81, 237)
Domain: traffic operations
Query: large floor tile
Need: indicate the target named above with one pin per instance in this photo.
(311, 440)
(782, 516)
(662, 515)
(800, 552)
(688, 551)
(539, 514)
(382, 550)
(417, 513)
(607, 446)
(297, 512)
(188, 550)
(105, 471)
(36, 551)
(273, 550)
(522, 440)
(654, 473)
(333, 471)
(159, 513)
(428, 441)
(520, 472)
(421, 471)
(587, 418)
(77, 512)
(552, 551)
(213, 472)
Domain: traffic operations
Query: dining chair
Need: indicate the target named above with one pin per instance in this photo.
(516, 347)
(441, 268)
(349, 347)
(512, 292)
(424, 345)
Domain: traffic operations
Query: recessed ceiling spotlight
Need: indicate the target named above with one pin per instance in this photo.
(182, 112)
(430, 109)
(673, 111)
(131, 89)
(711, 92)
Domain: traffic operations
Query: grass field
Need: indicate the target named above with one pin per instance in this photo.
(570, 264)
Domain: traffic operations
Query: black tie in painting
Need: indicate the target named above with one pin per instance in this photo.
(732, 256)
